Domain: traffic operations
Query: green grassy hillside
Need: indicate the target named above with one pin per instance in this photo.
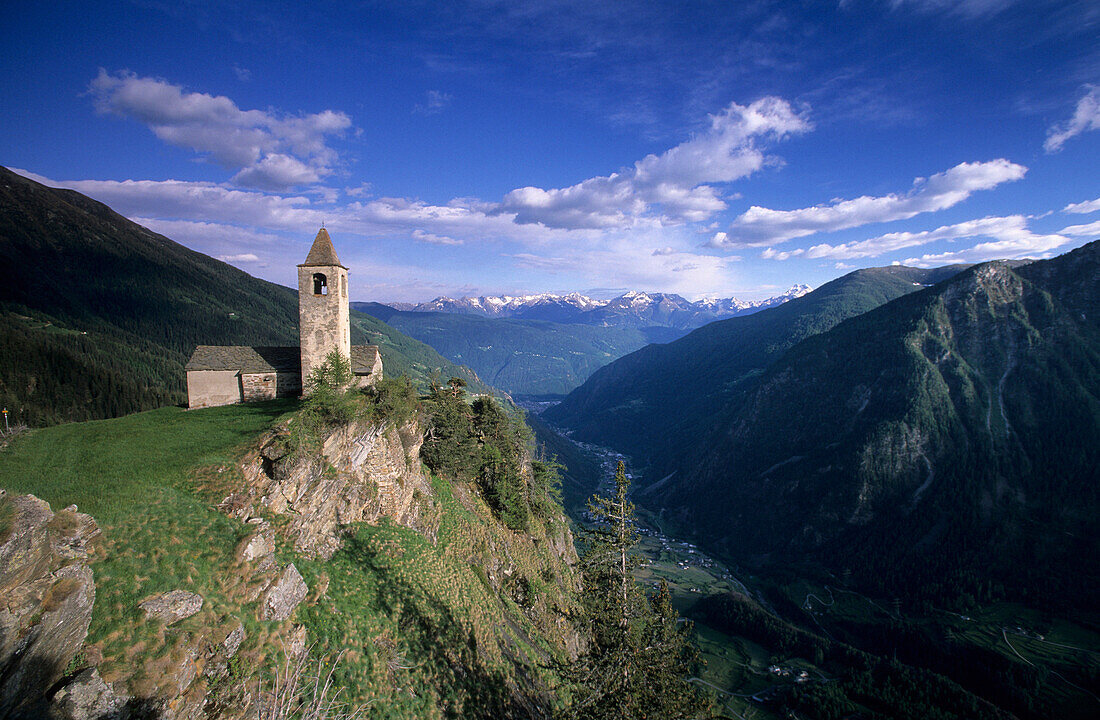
(527, 357)
(98, 315)
(420, 630)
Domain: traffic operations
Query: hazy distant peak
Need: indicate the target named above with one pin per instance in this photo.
(637, 308)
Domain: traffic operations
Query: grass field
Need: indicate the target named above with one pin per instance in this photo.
(134, 476)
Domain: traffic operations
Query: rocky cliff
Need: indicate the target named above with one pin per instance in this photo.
(364, 471)
(47, 593)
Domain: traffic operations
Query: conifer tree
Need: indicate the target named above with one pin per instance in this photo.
(640, 656)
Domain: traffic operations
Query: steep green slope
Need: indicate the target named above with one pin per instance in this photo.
(98, 315)
(529, 357)
(580, 472)
(403, 355)
(947, 442)
(654, 403)
(452, 616)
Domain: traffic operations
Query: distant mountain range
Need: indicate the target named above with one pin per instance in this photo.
(654, 403)
(549, 344)
(632, 309)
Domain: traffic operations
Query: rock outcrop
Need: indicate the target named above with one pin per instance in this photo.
(258, 548)
(365, 471)
(172, 606)
(46, 596)
(88, 697)
(283, 595)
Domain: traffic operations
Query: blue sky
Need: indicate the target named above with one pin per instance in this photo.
(506, 147)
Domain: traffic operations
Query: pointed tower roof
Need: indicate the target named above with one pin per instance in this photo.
(322, 253)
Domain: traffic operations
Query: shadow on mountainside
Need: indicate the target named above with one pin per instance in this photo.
(37, 703)
(437, 639)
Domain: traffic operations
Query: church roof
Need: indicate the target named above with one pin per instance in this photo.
(270, 359)
(322, 253)
(247, 359)
(363, 358)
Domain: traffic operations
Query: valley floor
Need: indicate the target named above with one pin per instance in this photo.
(1058, 656)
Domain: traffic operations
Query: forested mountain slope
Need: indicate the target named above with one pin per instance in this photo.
(530, 357)
(98, 315)
(653, 404)
(945, 442)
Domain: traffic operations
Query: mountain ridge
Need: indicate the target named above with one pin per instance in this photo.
(961, 422)
(633, 307)
(655, 400)
(526, 357)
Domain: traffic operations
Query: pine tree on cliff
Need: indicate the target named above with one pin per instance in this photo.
(640, 656)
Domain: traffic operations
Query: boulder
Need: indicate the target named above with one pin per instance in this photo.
(258, 548)
(171, 607)
(88, 697)
(284, 595)
(296, 644)
(233, 640)
(219, 655)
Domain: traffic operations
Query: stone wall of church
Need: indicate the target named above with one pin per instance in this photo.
(366, 380)
(270, 385)
(208, 388)
(323, 319)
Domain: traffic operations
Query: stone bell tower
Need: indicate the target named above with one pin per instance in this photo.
(323, 317)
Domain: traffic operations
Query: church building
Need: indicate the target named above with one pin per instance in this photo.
(226, 374)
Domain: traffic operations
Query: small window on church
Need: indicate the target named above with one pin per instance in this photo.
(320, 284)
(344, 286)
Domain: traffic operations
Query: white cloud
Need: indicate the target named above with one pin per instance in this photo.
(277, 172)
(226, 242)
(718, 240)
(360, 190)
(680, 181)
(422, 236)
(760, 226)
(773, 254)
(434, 103)
(1085, 117)
(206, 233)
(1009, 237)
(891, 242)
(969, 8)
(243, 74)
(271, 151)
(223, 221)
(203, 202)
(1090, 230)
(1023, 245)
(200, 201)
(1083, 208)
(636, 266)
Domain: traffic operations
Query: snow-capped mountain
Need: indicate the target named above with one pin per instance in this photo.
(543, 306)
(632, 309)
